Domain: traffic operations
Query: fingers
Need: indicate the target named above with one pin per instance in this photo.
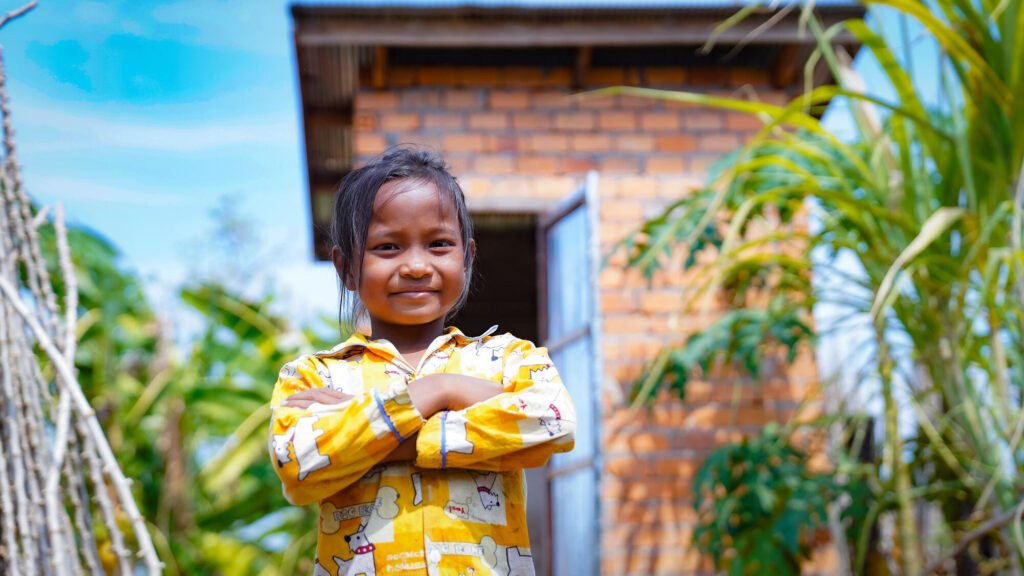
(297, 403)
(305, 403)
(306, 398)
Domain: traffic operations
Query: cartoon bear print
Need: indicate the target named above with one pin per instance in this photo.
(346, 376)
(543, 374)
(510, 371)
(324, 374)
(279, 444)
(489, 497)
(476, 497)
(394, 372)
(552, 420)
(303, 440)
(519, 564)
(455, 437)
(290, 370)
(436, 361)
(318, 569)
(361, 563)
(417, 487)
(484, 358)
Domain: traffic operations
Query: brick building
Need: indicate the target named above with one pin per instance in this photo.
(554, 181)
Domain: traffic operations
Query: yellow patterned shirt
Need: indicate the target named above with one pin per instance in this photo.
(460, 508)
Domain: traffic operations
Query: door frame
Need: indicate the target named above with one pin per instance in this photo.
(585, 196)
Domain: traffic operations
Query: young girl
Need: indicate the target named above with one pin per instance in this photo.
(413, 439)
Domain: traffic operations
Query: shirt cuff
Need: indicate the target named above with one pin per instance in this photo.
(430, 444)
(398, 413)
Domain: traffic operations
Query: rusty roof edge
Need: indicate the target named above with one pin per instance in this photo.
(416, 10)
(465, 26)
(510, 33)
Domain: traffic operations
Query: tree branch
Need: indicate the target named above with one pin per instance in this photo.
(991, 525)
(17, 13)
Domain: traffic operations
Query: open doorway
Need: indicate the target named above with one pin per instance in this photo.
(504, 285)
(505, 292)
(536, 277)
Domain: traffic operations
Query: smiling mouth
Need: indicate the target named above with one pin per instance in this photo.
(414, 293)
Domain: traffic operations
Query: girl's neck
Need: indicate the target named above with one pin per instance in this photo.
(408, 340)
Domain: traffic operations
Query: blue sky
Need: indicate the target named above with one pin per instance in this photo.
(144, 117)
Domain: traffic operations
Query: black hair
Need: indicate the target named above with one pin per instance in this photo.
(353, 209)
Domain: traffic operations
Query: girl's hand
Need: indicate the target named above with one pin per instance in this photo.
(315, 396)
(464, 391)
(405, 452)
(435, 392)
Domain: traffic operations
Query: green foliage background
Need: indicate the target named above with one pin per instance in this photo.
(926, 198)
(189, 426)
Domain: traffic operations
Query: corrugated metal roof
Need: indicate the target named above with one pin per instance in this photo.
(535, 23)
(566, 4)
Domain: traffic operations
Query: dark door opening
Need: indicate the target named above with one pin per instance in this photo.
(504, 285)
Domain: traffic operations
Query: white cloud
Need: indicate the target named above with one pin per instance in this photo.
(76, 130)
(93, 13)
(65, 188)
(250, 26)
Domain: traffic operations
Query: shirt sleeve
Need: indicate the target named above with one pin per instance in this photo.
(323, 449)
(519, 428)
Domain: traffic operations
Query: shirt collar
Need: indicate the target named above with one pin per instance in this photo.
(384, 347)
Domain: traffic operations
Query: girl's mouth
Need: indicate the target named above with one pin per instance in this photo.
(414, 293)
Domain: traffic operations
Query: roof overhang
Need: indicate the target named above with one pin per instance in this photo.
(537, 27)
(338, 48)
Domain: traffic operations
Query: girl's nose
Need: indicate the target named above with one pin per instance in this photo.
(414, 268)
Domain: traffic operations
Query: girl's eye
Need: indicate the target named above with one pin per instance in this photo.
(385, 247)
(442, 244)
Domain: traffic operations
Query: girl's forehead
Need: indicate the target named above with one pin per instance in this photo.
(411, 191)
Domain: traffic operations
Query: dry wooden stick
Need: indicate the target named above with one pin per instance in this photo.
(17, 13)
(7, 507)
(38, 276)
(102, 499)
(34, 447)
(12, 421)
(88, 416)
(993, 524)
(28, 415)
(47, 524)
(12, 521)
(79, 497)
(70, 320)
(52, 491)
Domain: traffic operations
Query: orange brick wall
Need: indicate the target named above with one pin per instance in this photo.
(522, 133)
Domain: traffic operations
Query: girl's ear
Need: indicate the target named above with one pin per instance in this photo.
(342, 269)
(472, 250)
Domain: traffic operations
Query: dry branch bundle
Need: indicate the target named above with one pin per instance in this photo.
(61, 489)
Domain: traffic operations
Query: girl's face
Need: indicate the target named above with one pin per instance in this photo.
(413, 260)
